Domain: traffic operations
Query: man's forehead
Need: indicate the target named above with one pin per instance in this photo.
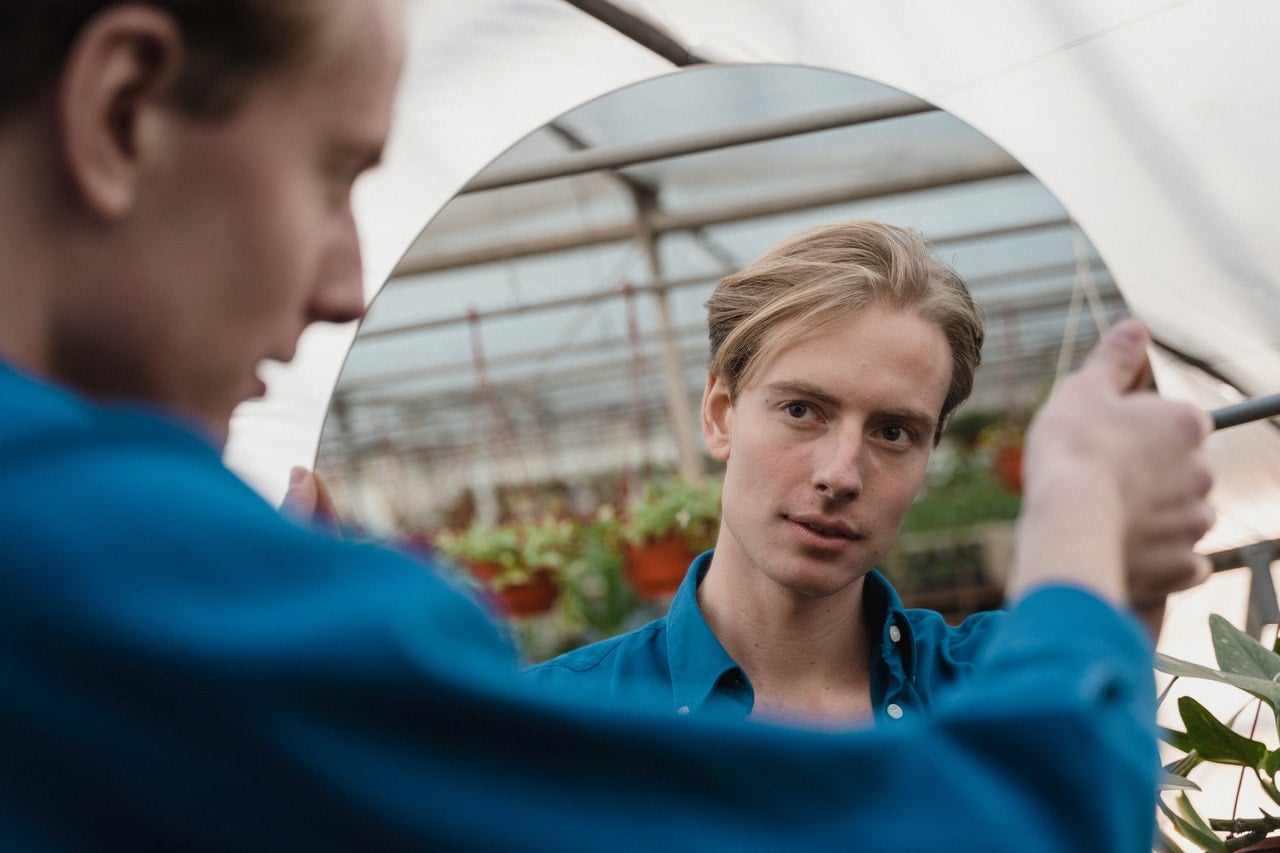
(821, 372)
(362, 37)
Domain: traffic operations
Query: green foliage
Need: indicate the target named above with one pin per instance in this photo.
(1246, 664)
(497, 545)
(675, 505)
(584, 556)
(962, 491)
(595, 598)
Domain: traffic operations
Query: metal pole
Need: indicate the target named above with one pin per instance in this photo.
(665, 222)
(639, 31)
(1263, 607)
(679, 412)
(619, 156)
(662, 286)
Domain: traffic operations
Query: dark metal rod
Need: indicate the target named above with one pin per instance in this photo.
(640, 31)
(1250, 410)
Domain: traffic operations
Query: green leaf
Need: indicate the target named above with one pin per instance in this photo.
(1192, 827)
(1272, 763)
(1263, 688)
(1173, 782)
(1270, 788)
(1175, 738)
(1240, 654)
(1214, 740)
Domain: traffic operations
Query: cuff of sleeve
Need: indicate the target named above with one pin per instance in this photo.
(1060, 608)
(1059, 630)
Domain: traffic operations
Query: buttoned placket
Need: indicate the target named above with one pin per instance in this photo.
(893, 658)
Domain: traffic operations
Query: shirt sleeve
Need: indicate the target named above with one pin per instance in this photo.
(258, 686)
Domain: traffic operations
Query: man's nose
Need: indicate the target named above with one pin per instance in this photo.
(338, 296)
(837, 472)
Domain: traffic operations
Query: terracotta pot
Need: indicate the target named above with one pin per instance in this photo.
(1009, 467)
(1271, 843)
(518, 600)
(655, 569)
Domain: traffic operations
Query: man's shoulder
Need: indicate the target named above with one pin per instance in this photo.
(960, 643)
(630, 663)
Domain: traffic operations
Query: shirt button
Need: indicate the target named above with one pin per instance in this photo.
(895, 634)
(683, 710)
(894, 711)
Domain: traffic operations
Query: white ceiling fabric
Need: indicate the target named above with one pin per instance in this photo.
(1153, 122)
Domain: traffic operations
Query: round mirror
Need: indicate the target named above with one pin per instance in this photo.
(540, 351)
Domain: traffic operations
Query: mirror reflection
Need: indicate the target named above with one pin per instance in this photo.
(523, 394)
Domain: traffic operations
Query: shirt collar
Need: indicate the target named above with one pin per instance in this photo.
(699, 664)
(698, 661)
(882, 606)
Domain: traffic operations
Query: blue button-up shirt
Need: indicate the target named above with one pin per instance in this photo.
(676, 662)
(182, 668)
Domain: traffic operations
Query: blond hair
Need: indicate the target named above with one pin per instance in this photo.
(828, 273)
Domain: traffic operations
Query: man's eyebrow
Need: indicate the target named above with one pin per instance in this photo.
(799, 388)
(923, 419)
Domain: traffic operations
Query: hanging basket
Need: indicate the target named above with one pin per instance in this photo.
(1008, 463)
(517, 600)
(655, 569)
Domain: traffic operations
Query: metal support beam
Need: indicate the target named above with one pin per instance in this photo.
(639, 31)
(679, 411)
(656, 287)
(1263, 606)
(619, 156)
(666, 222)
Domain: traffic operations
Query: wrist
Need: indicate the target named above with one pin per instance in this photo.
(1071, 531)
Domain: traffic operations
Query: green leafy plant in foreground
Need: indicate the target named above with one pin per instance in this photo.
(1248, 665)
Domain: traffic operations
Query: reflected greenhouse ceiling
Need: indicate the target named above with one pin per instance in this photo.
(547, 326)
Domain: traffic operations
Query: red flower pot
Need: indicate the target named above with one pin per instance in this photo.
(1009, 467)
(517, 600)
(655, 569)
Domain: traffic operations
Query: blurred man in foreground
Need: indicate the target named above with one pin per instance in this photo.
(184, 668)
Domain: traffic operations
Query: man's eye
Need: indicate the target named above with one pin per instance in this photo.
(797, 410)
(896, 434)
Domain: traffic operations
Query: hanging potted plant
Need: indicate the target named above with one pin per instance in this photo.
(1248, 665)
(595, 599)
(1004, 442)
(671, 523)
(498, 557)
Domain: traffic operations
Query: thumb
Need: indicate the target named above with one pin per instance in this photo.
(1121, 355)
(300, 498)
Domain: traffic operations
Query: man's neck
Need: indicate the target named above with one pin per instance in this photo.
(808, 658)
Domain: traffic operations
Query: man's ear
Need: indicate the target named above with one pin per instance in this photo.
(111, 97)
(717, 417)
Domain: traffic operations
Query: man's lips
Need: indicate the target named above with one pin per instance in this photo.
(832, 528)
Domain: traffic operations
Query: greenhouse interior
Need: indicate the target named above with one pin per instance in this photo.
(542, 346)
(569, 180)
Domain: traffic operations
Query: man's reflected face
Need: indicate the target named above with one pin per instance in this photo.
(826, 448)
